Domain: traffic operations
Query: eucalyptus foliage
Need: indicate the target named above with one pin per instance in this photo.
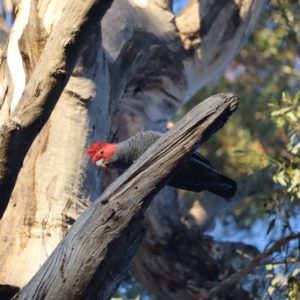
(262, 140)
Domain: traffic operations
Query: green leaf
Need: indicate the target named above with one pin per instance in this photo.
(280, 178)
(296, 272)
(271, 225)
(296, 98)
(295, 149)
(291, 116)
(239, 151)
(295, 180)
(281, 111)
(243, 254)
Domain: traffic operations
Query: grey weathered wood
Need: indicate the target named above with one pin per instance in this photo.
(97, 251)
(70, 35)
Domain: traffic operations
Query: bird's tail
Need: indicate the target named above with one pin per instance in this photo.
(225, 187)
(207, 179)
(197, 175)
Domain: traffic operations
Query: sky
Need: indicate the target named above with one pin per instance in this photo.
(178, 5)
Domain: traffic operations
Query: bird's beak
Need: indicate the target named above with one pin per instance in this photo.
(101, 163)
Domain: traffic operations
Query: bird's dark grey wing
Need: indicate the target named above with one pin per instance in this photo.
(197, 175)
(196, 155)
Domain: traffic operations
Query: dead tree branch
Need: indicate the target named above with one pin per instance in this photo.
(44, 88)
(98, 250)
(254, 263)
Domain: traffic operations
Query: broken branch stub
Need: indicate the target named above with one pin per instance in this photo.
(96, 253)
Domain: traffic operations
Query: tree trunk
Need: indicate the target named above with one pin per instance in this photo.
(150, 63)
(53, 185)
(30, 113)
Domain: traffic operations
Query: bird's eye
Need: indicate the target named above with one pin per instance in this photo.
(102, 152)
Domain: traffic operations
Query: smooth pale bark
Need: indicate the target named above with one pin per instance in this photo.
(145, 65)
(49, 78)
(54, 186)
(179, 54)
(97, 251)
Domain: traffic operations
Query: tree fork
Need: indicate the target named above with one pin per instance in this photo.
(67, 40)
(96, 253)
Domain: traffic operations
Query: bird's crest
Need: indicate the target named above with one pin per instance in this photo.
(94, 148)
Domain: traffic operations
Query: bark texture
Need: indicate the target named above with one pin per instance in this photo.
(149, 64)
(30, 113)
(53, 187)
(96, 253)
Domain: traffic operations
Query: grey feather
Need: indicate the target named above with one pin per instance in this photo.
(130, 150)
(195, 175)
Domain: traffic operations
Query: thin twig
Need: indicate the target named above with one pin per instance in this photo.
(254, 263)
